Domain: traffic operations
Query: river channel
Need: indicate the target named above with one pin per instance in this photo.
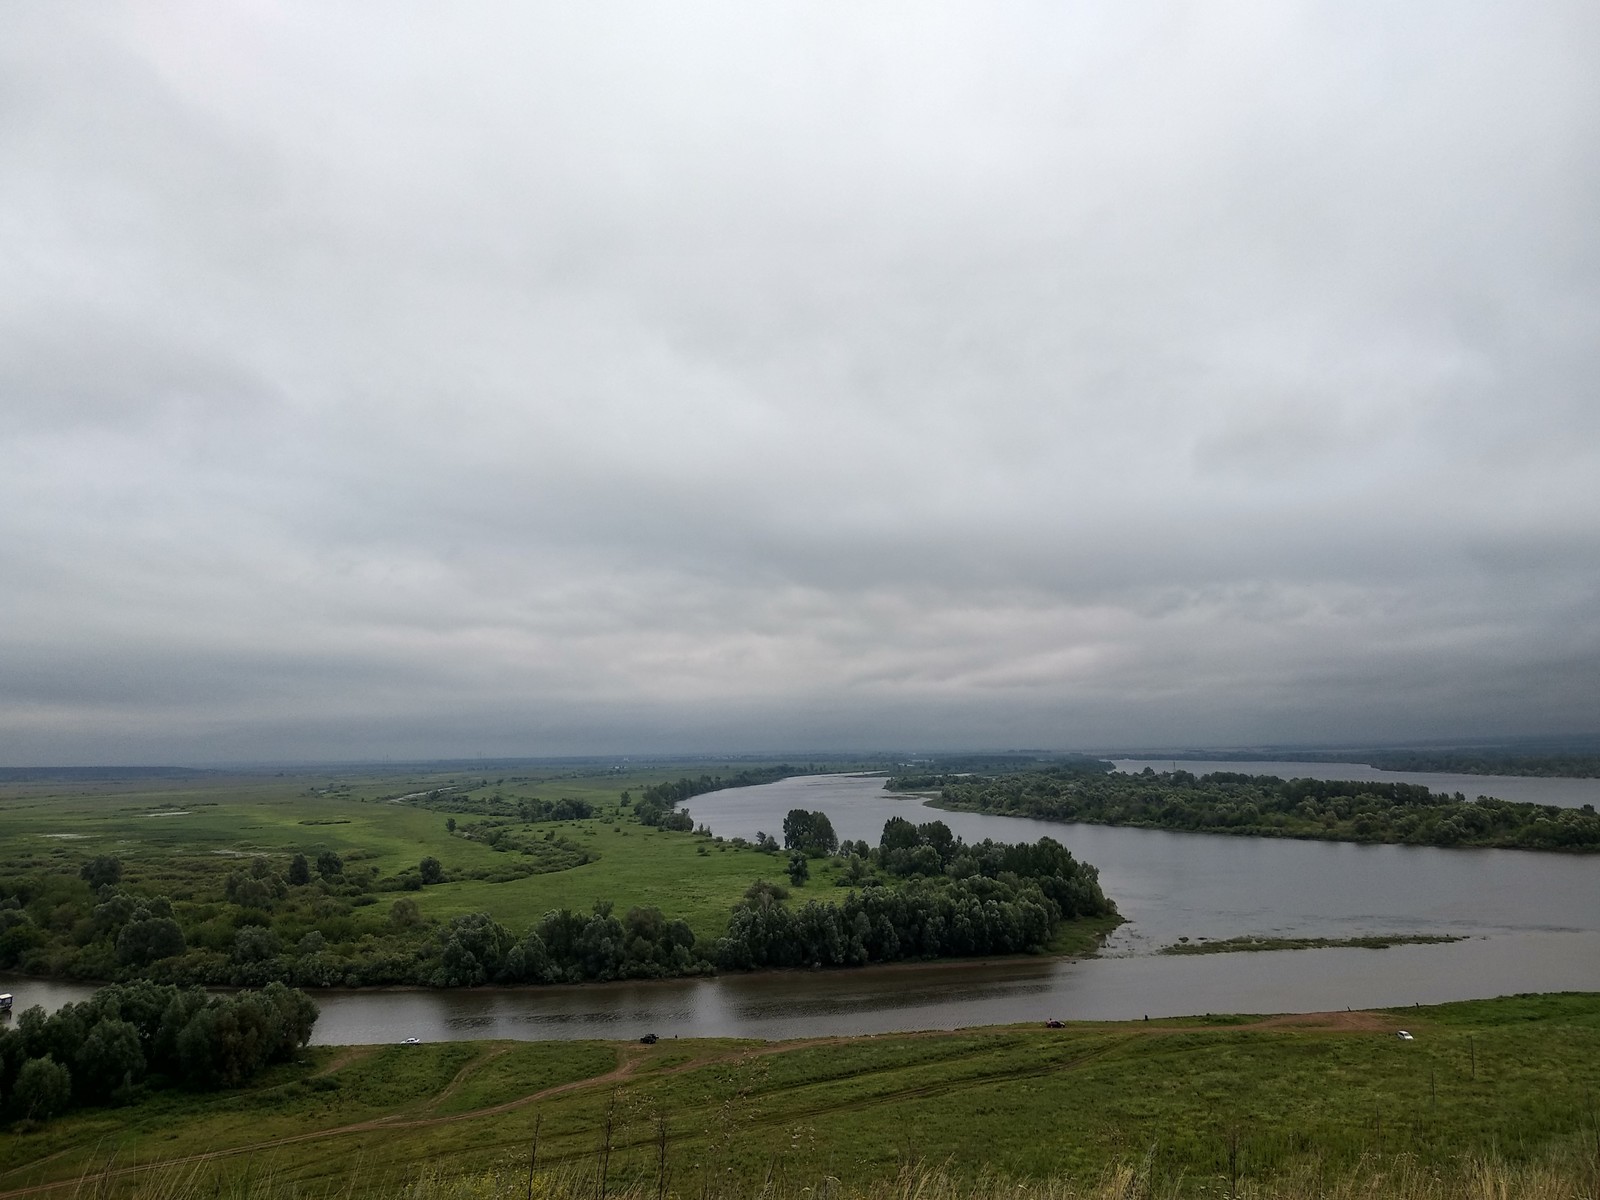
(1530, 922)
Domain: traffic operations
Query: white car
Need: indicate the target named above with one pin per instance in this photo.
(1405, 1037)
(418, 1041)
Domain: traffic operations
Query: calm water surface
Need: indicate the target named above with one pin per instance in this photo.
(1532, 923)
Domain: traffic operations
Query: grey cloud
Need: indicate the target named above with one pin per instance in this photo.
(795, 376)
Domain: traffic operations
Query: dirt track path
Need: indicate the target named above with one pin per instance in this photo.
(350, 1054)
(629, 1064)
(1348, 1021)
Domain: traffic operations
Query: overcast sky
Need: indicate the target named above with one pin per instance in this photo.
(390, 380)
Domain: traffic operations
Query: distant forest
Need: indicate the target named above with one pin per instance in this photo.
(1569, 760)
(1266, 806)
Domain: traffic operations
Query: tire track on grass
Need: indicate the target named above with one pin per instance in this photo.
(784, 1116)
(386, 1124)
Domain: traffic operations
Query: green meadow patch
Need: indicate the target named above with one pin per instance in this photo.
(1195, 1108)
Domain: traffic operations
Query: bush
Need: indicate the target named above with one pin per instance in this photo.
(43, 1089)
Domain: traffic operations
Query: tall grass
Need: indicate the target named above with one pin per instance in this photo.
(1573, 1174)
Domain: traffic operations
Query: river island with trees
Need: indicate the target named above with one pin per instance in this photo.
(1244, 805)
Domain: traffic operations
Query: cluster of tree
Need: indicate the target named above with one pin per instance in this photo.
(938, 772)
(951, 899)
(919, 851)
(549, 851)
(564, 947)
(676, 819)
(1573, 758)
(463, 799)
(264, 919)
(1485, 762)
(925, 918)
(568, 808)
(809, 832)
(1267, 806)
(125, 1038)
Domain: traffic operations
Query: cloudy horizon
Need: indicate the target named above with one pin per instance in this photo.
(539, 381)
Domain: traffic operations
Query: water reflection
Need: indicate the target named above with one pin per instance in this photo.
(1532, 920)
(1173, 885)
(951, 996)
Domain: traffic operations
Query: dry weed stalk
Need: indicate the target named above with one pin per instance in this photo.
(1400, 1178)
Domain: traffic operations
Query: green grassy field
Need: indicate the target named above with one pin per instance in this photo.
(1193, 1106)
(177, 837)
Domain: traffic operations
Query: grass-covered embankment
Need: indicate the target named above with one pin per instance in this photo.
(1193, 1106)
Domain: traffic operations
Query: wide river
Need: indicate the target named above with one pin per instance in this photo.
(1531, 923)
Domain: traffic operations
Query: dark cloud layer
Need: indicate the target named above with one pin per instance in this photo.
(756, 377)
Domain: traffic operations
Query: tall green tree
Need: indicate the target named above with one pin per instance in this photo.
(809, 832)
(43, 1089)
(103, 870)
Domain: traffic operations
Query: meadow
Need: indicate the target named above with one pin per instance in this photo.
(1231, 1106)
(204, 878)
(179, 836)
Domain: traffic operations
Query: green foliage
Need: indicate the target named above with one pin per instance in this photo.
(540, 852)
(231, 1039)
(799, 869)
(102, 870)
(109, 1060)
(948, 768)
(43, 1089)
(1266, 806)
(124, 1036)
(1488, 762)
(809, 832)
(655, 806)
(146, 939)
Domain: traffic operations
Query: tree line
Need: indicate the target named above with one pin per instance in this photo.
(657, 802)
(129, 1038)
(920, 893)
(1267, 806)
(923, 893)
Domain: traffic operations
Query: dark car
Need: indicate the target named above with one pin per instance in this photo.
(649, 1039)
